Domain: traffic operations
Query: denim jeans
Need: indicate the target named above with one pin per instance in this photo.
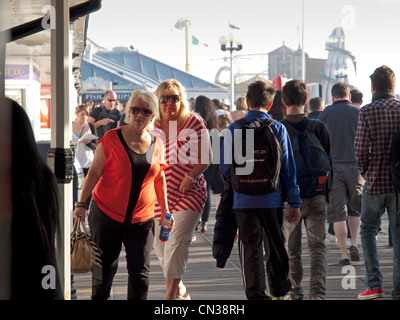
(371, 217)
(313, 213)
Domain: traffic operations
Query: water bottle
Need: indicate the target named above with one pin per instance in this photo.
(165, 227)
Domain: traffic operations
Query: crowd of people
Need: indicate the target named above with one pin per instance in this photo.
(160, 154)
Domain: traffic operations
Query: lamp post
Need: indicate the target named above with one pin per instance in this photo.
(180, 24)
(235, 44)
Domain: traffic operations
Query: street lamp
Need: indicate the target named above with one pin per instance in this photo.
(180, 24)
(235, 44)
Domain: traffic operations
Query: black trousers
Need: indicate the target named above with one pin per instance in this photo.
(258, 226)
(138, 241)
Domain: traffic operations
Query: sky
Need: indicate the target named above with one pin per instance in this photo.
(372, 29)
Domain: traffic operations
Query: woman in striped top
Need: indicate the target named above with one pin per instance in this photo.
(188, 154)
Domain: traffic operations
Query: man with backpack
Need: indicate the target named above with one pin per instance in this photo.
(311, 150)
(258, 205)
(377, 128)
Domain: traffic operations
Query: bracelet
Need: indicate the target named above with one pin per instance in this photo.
(80, 205)
(190, 177)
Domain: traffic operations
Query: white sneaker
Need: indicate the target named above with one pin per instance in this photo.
(332, 238)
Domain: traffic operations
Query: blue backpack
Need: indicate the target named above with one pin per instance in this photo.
(312, 163)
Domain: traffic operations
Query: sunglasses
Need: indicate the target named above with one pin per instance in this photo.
(174, 99)
(145, 112)
(112, 100)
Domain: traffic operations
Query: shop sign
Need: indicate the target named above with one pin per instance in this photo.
(17, 72)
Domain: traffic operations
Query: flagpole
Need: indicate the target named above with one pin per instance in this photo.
(188, 43)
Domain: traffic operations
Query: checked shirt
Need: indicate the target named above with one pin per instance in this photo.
(377, 124)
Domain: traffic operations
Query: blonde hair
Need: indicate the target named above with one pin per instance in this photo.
(241, 104)
(224, 120)
(148, 98)
(184, 110)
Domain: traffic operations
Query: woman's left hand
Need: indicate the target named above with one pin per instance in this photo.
(186, 185)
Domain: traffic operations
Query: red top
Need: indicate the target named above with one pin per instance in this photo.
(124, 182)
(181, 156)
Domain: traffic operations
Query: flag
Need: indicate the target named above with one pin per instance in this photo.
(233, 27)
(197, 42)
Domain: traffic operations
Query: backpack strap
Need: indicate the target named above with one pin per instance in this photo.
(311, 125)
(103, 109)
(268, 121)
(289, 128)
(241, 122)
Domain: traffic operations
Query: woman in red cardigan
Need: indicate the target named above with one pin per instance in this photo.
(127, 175)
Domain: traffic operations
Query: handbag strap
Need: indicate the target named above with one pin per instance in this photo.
(77, 225)
(83, 226)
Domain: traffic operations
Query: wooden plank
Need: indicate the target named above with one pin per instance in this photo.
(204, 281)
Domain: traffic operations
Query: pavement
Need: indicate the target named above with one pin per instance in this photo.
(204, 281)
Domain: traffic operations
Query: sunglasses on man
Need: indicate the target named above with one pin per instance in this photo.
(145, 112)
(173, 98)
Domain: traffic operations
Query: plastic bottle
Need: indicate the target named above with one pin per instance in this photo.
(165, 227)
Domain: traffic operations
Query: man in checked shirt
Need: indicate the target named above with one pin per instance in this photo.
(377, 124)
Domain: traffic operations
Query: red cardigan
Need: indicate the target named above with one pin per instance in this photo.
(113, 189)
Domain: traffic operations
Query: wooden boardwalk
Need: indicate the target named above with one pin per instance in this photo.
(204, 281)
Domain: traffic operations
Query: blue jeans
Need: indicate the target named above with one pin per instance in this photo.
(371, 217)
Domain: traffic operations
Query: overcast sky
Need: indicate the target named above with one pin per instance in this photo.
(372, 30)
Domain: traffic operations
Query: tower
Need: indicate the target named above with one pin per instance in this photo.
(340, 65)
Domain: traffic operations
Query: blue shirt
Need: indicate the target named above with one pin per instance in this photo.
(287, 175)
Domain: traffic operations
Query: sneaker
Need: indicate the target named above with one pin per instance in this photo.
(296, 297)
(332, 238)
(186, 296)
(344, 262)
(371, 294)
(275, 298)
(354, 255)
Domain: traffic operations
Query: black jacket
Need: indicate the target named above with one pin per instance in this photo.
(225, 227)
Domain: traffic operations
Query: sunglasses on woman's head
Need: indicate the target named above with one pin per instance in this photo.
(173, 98)
(143, 111)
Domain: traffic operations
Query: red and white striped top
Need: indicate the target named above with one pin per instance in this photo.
(181, 155)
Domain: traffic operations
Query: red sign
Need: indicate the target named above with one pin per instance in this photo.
(45, 92)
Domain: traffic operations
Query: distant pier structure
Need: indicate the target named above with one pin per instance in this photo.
(340, 65)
